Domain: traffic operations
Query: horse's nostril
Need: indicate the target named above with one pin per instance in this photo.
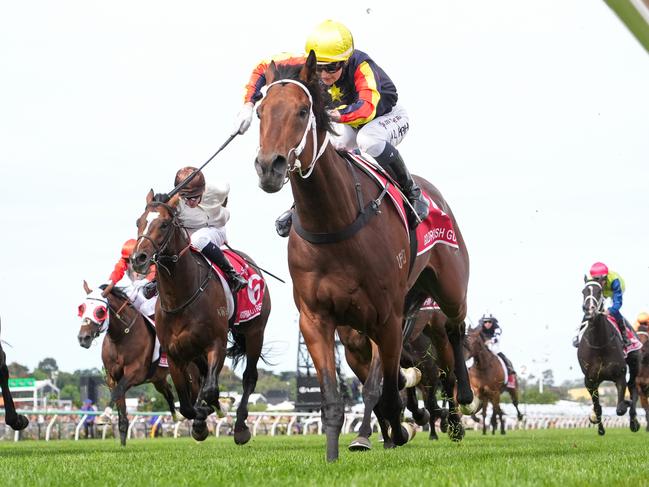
(279, 165)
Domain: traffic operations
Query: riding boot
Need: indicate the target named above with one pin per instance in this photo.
(236, 281)
(622, 327)
(392, 162)
(150, 289)
(508, 364)
(284, 222)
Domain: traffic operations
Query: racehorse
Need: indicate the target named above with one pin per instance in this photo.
(192, 317)
(14, 420)
(127, 349)
(350, 264)
(489, 381)
(601, 357)
(642, 379)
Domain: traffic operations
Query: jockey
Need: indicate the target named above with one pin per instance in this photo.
(364, 106)
(203, 212)
(490, 332)
(136, 290)
(612, 287)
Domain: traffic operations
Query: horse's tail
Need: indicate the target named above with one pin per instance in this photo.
(237, 350)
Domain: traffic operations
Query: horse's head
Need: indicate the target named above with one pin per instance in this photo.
(155, 228)
(292, 109)
(593, 302)
(473, 343)
(94, 316)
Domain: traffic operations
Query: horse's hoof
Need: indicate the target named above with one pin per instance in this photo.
(593, 418)
(424, 419)
(360, 443)
(622, 408)
(20, 423)
(388, 445)
(443, 421)
(199, 430)
(472, 407)
(433, 437)
(465, 397)
(456, 432)
(635, 425)
(600, 430)
(242, 437)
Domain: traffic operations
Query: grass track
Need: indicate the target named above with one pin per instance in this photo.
(545, 457)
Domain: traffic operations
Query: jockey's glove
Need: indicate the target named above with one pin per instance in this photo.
(244, 118)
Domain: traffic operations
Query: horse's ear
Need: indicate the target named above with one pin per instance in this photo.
(149, 197)
(86, 288)
(271, 73)
(309, 71)
(585, 278)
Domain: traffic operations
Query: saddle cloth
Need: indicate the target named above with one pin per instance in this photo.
(429, 304)
(250, 298)
(156, 355)
(436, 228)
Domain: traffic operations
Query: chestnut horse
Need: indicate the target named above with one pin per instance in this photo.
(489, 381)
(14, 420)
(601, 357)
(642, 379)
(352, 265)
(192, 317)
(126, 351)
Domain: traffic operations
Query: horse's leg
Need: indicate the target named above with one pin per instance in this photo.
(596, 415)
(500, 417)
(494, 416)
(183, 389)
(16, 421)
(644, 402)
(421, 416)
(122, 421)
(254, 343)
(163, 387)
(371, 395)
(622, 404)
(210, 390)
(433, 408)
(513, 393)
(318, 334)
(634, 365)
(484, 404)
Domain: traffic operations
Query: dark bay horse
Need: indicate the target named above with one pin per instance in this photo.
(192, 317)
(601, 357)
(352, 265)
(126, 351)
(489, 381)
(642, 379)
(12, 418)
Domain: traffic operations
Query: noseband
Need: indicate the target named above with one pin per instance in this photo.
(311, 124)
(599, 303)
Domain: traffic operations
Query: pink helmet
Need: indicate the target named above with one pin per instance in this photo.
(598, 269)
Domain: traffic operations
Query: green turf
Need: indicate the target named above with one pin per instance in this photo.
(546, 457)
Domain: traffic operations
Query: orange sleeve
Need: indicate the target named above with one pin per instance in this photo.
(118, 271)
(258, 77)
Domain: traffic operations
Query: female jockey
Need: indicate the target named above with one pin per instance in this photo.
(364, 104)
(136, 290)
(203, 213)
(612, 287)
(490, 332)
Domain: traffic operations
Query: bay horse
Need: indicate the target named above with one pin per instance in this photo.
(642, 379)
(601, 357)
(192, 317)
(127, 348)
(12, 418)
(489, 381)
(351, 264)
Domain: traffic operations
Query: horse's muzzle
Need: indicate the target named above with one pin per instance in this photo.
(271, 171)
(141, 262)
(85, 340)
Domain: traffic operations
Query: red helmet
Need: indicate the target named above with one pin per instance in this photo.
(128, 248)
(598, 269)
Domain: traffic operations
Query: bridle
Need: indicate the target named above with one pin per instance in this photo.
(599, 302)
(311, 125)
(99, 328)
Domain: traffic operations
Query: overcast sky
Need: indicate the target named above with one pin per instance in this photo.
(531, 118)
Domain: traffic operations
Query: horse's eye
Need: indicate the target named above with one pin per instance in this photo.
(164, 224)
(258, 111)
(137, 223)
(304, 112)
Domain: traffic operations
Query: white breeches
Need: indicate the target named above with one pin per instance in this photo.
(372, 137)
(142, 304)
(202, 236)
(493, 346)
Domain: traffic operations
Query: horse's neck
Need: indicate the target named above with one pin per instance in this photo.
(483, 357)
(326, 200)
(176, 280)
(599, 330)
(117, 325)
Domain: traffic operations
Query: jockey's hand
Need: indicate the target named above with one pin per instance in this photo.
(334, 115)
(108, 289)
(243, 119)
(161, 197)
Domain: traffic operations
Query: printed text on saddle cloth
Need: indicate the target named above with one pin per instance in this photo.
(436, 229)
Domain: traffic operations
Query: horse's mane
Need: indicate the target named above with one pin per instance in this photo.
(116, 291)
(319, 94)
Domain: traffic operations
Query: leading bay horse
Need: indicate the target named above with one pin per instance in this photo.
(642, 379)
(192, 317)
(601, 357)
(352, 265)
(12, 418)
(126, 351)
(489, 381)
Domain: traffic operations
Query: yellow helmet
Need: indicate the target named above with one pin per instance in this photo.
(643, 318)
(331, 41)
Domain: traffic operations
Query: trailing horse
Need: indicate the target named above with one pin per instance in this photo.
(127, 349)
(601, 357)
(488, 380)
(351, 263)
(192, 316)
(14, 420)
(642, 379)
